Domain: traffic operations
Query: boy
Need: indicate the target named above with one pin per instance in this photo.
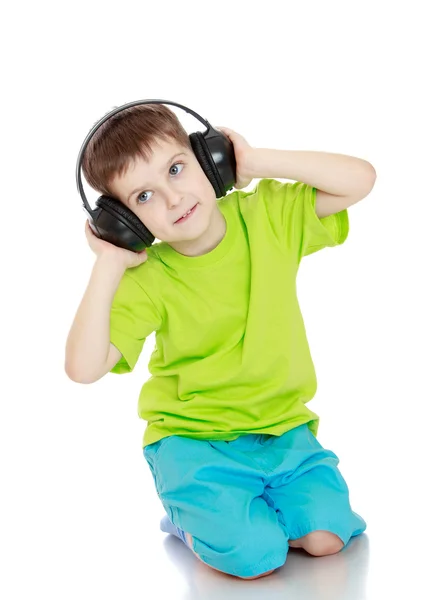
(229, 440)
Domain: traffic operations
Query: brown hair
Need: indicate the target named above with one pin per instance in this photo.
(129, 134)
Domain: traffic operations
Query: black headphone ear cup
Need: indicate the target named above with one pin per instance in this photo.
(120, 226)
(202, 154)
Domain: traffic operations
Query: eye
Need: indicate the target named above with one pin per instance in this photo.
(138, 199)
(140, 196)
(175, 165)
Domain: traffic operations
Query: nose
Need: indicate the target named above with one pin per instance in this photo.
(173, 198)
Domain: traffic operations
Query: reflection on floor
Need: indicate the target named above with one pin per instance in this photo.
(341, 576)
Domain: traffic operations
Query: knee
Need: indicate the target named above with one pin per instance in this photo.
(249, 554)
(256, 556)
(322, 543)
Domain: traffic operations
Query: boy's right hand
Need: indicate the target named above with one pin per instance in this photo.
(127, 258)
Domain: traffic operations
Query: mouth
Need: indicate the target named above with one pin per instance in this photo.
(187, 215)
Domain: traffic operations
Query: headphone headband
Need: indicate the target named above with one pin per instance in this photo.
(104, 119)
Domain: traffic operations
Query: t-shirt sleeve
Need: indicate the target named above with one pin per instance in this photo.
(291, 207)
(133, 317)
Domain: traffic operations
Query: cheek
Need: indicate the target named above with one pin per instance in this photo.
(157, 221)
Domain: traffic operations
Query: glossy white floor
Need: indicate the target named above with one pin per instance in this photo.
(334, 577)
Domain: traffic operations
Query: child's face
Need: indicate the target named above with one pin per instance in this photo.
(164, 188)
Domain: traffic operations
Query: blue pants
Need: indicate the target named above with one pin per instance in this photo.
(243, 500)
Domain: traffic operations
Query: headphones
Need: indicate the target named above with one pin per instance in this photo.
(113, 222)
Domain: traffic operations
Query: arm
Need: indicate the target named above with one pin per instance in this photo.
(340, 180)
(89, 353)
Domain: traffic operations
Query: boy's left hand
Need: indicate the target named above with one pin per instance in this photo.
(243, 152)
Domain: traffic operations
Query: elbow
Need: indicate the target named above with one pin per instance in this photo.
(372, 176)
(77, 376)
(366, 182)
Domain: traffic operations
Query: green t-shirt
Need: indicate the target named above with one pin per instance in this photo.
(231, 354)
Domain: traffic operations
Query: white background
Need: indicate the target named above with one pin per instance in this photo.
(79, 514)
